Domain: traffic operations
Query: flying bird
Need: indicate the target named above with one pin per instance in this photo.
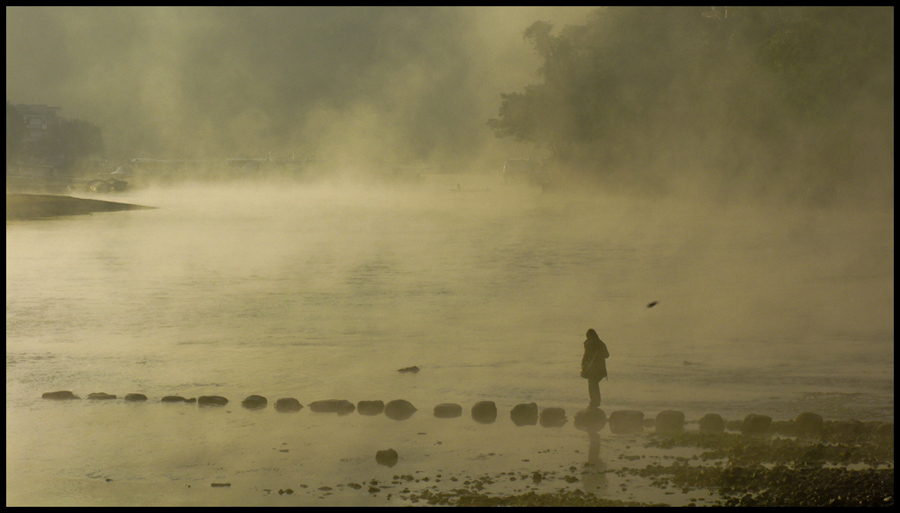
(652, 304)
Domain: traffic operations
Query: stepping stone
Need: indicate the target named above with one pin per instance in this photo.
(525, 414)
(626, 422)
(553, 417)
(447, 411)
(399, 409)
(590, 419)
(102, 396)
(60, 395)
(339, 406)
(809, 424)
(755, 424)
(254, 402)
(484, 412)
(670, 422)
(370, 407)
(211, 400)
(387, 457)
(287, 404)
(712, 423)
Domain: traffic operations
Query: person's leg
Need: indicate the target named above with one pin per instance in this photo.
(594, 391)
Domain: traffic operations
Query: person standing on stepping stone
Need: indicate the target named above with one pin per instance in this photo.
(593, 365)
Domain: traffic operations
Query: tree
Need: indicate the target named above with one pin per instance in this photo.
(769, 94)
(73, 140)
(15, 130)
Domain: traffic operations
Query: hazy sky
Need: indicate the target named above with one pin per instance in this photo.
(383, 83)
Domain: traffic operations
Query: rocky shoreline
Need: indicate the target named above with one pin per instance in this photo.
(660, 460)
(832, 470)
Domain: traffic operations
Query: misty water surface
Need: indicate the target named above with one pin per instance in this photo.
(316, 291)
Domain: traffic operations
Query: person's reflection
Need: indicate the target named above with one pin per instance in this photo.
(594, 477)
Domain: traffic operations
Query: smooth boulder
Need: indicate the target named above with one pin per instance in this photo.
(288, 404)
(254, 402)
(712, 423)
(101, 396)
(60, 395)
(173, 399)
(484, 412)
(590, 419)
(211, 400)
(399, 409)
(447, 411)
(626, 422)
(370, 407)
(553, 417)
(670, 422)
(525, 414)
(135, 397)
(809, 424)
(755, 424)
(387, 457)
(339, 406)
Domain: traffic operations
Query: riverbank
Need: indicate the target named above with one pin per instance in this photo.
(230, 455)
(36, 206)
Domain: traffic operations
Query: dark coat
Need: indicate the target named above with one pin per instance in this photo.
(593, 363)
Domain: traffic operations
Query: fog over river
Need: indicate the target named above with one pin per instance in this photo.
(320, 291)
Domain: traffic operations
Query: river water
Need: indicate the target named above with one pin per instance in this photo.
(322, 291)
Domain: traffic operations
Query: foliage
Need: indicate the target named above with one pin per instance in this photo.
(71, 142)
(791, 94)
(15, 130)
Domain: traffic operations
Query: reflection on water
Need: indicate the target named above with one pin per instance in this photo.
(594, 477)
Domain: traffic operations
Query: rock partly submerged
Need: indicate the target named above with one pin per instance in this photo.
(399, 409)
(254, 402)
(590, 419)
(288, 404)
(626, 422)
(388, 457)
(211, 400)
(177, 399)
(60, 395)
(370, 407)
(553, 417)
(670, 422)
(712, 423)
(484, 412)
(447, 411)
(339, 406)
(101, 396)
(525, 414)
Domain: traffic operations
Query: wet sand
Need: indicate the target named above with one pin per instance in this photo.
(181, 454)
